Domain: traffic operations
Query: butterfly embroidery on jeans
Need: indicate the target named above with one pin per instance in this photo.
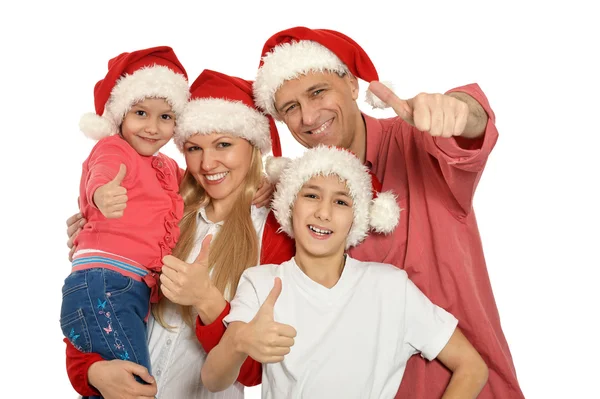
(72, 336)
(108, 329)
(101, 305)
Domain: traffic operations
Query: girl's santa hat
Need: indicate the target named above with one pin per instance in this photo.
(132, 77)
(373, 210)
(223, 104)
(300, 50)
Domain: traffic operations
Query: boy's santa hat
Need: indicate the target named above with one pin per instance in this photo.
(132, 77)
(300, 50)
(223, 104)
(373, 210)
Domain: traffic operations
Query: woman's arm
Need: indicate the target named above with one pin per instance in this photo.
(469, 371)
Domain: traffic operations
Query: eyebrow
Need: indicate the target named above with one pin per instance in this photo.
(166, 110)
(219, 137)
(312, 186)
(311, 88)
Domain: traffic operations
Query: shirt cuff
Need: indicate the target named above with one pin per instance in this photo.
(433, 349)
(210, 335)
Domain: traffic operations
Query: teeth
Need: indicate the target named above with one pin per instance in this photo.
(322, 128)
(215, 177)
(319, 231)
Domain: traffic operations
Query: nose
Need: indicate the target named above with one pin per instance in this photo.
(323, 211)
(151, 126)
(209, 161)
(310, 114)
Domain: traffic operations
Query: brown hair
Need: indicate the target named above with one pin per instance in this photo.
(233, 250)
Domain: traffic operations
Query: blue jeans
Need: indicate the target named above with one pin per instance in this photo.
(105, 312)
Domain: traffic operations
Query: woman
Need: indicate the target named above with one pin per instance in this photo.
(222, 137)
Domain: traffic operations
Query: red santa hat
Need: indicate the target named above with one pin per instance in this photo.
(373, 210)
(223, 104)
(297, 51)
(150, 73)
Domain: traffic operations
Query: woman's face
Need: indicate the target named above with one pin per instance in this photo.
(219, 162)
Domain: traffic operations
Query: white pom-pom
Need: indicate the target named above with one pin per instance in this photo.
(96, 127)
(384, 213)
(375, 101)
(275, 166)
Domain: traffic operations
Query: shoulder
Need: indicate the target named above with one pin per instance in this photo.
(260, 272)
(382, 270)
(113, 145)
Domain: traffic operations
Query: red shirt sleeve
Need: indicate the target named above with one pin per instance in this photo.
(78, 364)
(462, 160)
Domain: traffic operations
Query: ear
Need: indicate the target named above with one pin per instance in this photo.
(352, 84)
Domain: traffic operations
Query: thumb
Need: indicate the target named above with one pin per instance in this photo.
(385, 94)
(269, 304)
(202, 257)
(120, 176)
(140, 371)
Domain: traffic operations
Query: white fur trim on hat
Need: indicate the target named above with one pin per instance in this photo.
(288, 61)
(215, 115)
(327, 161)
(97, 127)
(151, 82)
(375, 101)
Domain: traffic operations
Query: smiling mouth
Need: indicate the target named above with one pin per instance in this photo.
(321, 232)
(321, 128)
(148, 139)
(216, 176)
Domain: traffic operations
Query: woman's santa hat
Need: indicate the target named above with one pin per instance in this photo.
(132, 77)
(373, 210)
(223, 104)
(298, 51)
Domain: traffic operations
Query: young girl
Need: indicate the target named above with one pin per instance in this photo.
(222, 136)
(119, 254)
(338, 328)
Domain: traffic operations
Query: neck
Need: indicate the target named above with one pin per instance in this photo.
(325, 270)
(359, 143)
(218, 210)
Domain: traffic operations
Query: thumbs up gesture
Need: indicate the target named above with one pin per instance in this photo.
(187, 284)
(265, 340)
(440, 115)
(111, 198)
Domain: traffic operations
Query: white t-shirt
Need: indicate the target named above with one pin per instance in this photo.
(353, 340)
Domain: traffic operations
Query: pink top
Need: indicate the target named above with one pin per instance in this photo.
(149, 227)
(435, 179)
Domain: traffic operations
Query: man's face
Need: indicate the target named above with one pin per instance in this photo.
(320, 108)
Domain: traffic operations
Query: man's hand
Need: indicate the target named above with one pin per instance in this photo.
(264, 194)
(440, 115)
(115, 379)
(111, 198)
(263, 339)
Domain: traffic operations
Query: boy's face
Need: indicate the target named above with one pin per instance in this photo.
(148, 126)
(320, 108)
(322, 216)
(219, 162)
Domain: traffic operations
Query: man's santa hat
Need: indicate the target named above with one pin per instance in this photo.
(223, 104)
(373, 210)
(132, 77)
(300, 50)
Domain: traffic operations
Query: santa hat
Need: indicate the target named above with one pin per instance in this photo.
(223, 104)
(297, 51)
(373, 210)
(150, 73)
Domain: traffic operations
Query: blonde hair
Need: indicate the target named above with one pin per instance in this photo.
(232, 251)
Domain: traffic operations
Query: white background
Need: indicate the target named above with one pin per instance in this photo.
(536, 204)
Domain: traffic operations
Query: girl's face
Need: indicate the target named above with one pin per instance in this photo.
(219, 162)
(322, 216)
(148, 126)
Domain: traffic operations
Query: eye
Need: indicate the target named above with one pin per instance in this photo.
(166, 117)
(341, 202)
(223, 144)
(192, 148)
(139, 112)
(309, 195)
(290, 108)
(317, 92)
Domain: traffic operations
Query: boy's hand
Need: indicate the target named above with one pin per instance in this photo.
(74, 225)
(265, 340)
(264, 194)
(111, 198)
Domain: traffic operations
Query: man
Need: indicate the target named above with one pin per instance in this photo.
(432, 155)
